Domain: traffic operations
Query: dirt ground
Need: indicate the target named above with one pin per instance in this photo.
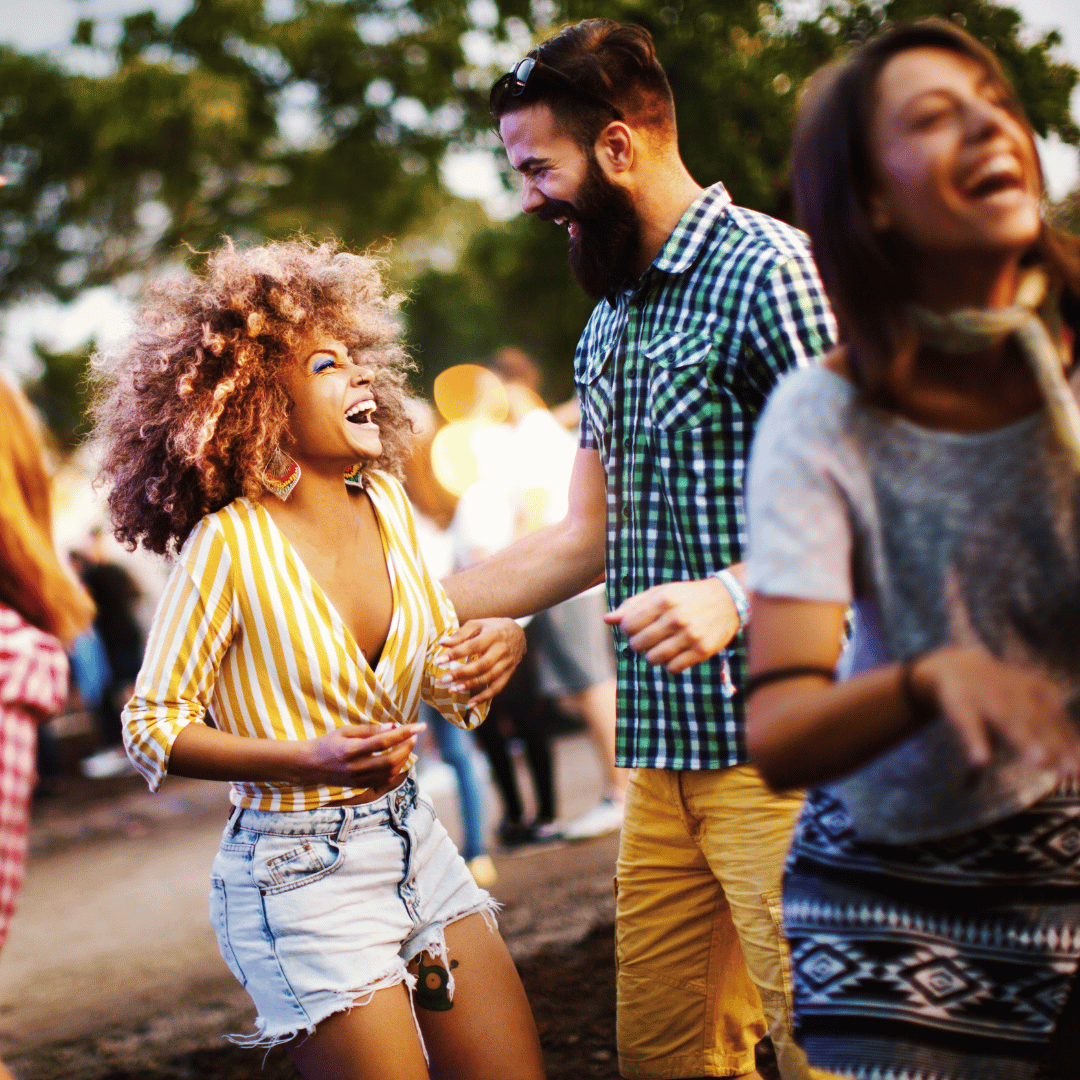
(168, 1025)
(571, 988)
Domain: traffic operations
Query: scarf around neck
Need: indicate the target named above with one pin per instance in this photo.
(1035, 318)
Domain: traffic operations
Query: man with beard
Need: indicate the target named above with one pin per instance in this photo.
(702, 305)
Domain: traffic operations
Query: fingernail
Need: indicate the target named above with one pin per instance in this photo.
(458, 687)
(444, 680)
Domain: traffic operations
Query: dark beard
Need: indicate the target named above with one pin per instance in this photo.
(608, 237)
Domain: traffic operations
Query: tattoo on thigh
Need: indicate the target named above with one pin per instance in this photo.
(432, 986)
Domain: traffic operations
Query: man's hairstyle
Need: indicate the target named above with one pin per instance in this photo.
(611, 62)
(192, 408)
(833, 171)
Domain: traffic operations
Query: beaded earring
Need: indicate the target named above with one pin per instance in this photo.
(281, 475)
(354, 477)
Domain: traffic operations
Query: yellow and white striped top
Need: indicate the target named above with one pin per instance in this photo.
(245, 636)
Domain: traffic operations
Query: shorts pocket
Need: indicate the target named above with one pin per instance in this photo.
(302, 864)
(219, 920)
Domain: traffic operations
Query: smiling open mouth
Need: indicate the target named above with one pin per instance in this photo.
(993, 184)
(361, 414)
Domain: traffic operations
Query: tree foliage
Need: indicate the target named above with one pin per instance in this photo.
(336, 118)
(735, 69)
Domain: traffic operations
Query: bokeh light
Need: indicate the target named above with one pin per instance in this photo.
(470, 392)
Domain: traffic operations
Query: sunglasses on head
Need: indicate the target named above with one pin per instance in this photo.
(526, 72)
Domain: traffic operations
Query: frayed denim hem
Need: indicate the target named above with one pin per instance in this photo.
(433, 940)
(268, 1034)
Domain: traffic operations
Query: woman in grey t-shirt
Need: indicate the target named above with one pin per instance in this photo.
(932, 893)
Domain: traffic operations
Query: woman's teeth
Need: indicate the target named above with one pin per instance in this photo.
(361, 413)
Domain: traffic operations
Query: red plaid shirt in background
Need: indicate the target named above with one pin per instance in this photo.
(33, 685)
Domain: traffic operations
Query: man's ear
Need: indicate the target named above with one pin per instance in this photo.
(615, 148)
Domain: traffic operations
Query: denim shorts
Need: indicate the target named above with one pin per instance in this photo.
(316, 910)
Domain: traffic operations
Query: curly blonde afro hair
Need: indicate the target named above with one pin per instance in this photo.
(192, 407)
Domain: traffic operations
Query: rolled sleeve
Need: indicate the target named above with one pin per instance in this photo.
(192, 628)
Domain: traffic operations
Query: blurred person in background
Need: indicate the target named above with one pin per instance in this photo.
(254, 421)
(569, 644)
(42, 608)
(485, 520)
(928, 474)
(115, 594)
(433, 507)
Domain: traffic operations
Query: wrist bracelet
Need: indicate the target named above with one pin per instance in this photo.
(800, 671)
(912, 702)
(738, 595)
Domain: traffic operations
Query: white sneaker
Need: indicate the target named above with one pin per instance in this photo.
(605, 817)
(105, 763)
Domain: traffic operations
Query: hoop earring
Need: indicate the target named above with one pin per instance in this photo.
(354, 477)
(281, 475)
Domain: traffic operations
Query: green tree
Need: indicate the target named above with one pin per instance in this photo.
(62, 393)
(191, 136)
(735, 70)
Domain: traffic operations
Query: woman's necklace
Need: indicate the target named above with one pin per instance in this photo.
(1035, 319)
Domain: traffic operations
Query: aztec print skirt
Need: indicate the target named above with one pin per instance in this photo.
(946, 960)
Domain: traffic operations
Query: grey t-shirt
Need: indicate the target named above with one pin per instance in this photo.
(933, 537)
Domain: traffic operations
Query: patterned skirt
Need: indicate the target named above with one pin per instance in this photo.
(949, 960)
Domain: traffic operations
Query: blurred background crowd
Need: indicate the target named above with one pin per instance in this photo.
(134, 135)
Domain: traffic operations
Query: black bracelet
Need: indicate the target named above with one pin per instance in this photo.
(764, 678)
(916, 707)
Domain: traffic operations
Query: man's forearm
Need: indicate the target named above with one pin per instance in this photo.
(541, 570)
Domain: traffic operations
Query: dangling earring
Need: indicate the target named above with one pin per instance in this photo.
(354, 477)
(280, 475)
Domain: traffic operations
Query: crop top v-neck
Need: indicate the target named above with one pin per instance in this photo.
(244, 639)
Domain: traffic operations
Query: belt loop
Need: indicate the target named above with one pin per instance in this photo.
(347, 813)
(233, 822)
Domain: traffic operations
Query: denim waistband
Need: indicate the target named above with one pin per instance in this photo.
(324, 820)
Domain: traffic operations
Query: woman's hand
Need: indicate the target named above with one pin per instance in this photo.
(494, 647)
(359, 755)
(984, 698)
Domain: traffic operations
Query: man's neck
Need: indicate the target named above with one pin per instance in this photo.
(669, 192)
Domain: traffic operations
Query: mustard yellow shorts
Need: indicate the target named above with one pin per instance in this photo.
(703, 969)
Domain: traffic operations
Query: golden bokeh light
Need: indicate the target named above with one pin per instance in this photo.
(453, 459)
(470, 392)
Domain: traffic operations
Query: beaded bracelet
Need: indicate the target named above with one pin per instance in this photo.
(738, 595)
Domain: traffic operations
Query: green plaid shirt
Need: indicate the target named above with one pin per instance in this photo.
(672, 373)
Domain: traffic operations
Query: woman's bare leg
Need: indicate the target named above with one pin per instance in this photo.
(376, 1041)
(486, 1032)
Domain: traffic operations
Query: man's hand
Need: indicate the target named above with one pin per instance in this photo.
(679, 624)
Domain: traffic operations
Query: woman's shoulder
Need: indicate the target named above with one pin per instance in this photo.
(814, 400)
(220, 533)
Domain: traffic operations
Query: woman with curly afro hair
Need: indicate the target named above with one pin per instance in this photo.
(252, 427)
